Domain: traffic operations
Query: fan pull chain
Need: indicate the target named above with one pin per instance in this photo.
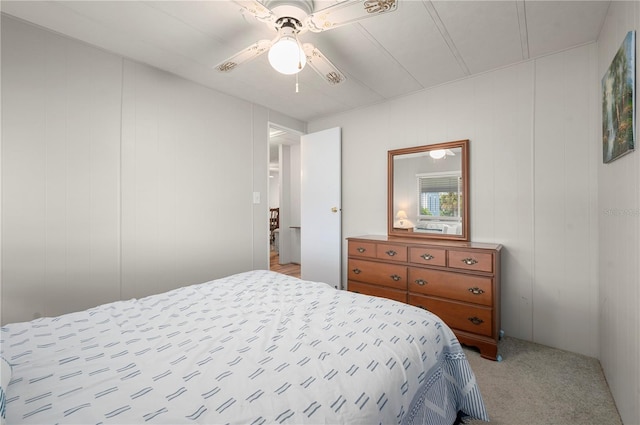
(299, 50)
(299, 61)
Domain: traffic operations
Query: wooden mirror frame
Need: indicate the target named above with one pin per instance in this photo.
(464, 165)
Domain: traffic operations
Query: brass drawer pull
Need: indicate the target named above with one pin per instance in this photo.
(421, 282)
(475, 320)
(395, 277)
(427, 257)
(469, 261)
(361, 250)
(357, 271)
(391, 253)
(476, 291)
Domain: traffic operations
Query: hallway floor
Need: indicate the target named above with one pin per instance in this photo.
(290, 269)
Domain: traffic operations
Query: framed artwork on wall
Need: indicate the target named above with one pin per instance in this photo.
(618, 102)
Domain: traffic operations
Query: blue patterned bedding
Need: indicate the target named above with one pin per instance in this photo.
(253, 348)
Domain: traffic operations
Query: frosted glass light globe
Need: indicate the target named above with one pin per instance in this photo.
(285, 56)
(438, 153)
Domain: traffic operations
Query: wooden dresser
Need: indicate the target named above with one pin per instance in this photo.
(458, 281)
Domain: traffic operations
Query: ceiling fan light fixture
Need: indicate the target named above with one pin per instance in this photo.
(286, 55)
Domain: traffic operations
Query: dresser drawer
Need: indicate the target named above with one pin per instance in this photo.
(455, 286)
(392, 252)
(428, 256)
(390, 275)
(459, 316)
(378, 291)
(479, 261)
(362, 249)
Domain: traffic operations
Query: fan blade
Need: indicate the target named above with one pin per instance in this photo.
(251, 52)
(346, 12)
(257, 9)
(322, 65)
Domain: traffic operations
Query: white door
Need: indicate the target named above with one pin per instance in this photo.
(320, 206)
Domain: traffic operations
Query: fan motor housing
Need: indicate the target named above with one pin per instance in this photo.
(297, 9)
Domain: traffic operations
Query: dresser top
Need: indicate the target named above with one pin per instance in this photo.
(422, 242)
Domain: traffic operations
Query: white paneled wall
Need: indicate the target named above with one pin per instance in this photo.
(185, 167)
(501, 183)
(549, 293)
(119, 180)
(60, 174)
(565, 206)
(619, 240)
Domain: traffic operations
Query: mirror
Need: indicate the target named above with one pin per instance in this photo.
(428, 191)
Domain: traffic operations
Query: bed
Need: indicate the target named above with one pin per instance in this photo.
(253, 348)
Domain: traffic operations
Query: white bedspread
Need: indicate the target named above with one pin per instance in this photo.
(253, 348)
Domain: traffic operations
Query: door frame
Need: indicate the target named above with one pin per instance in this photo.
(284, 204)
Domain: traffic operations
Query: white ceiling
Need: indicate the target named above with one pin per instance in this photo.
(422, 44)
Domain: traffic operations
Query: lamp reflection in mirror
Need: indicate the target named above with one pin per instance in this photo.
(286, 55)
(403, 221)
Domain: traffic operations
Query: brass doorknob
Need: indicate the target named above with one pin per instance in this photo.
(334, 209)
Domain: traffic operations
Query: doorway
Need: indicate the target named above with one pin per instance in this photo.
(284, 200)
(308, 190)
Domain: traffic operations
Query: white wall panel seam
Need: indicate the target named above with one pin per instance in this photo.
(533, 198)
(120, 177)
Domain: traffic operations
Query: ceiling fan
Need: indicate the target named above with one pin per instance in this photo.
(291, 18)
(441, 153)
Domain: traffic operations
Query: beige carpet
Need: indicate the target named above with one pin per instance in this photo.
(538, 385)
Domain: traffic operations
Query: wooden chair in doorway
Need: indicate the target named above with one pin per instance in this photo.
(274, 224)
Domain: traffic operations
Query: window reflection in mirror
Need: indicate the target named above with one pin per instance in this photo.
(439, 200)
(427, 191)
